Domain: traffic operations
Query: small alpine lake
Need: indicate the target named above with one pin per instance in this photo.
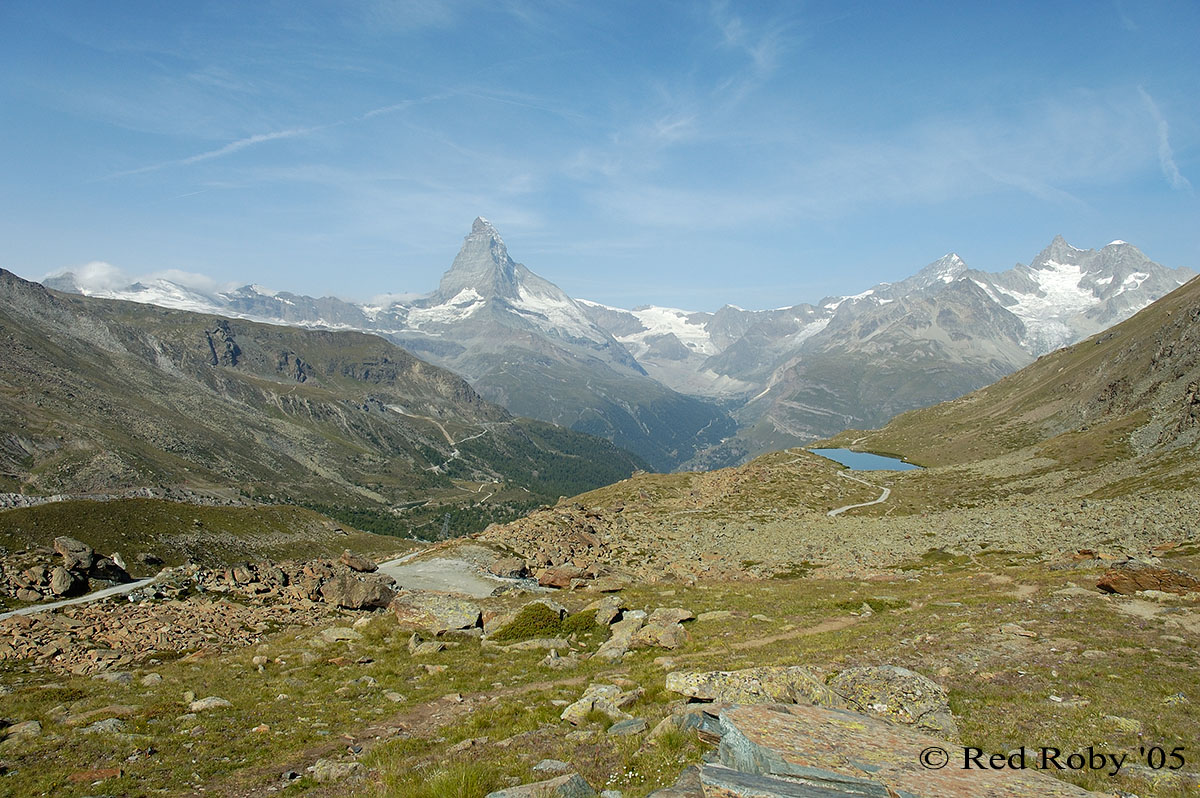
(864, 461)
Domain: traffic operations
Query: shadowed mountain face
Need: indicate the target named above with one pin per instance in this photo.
(700, 390)
(100, 395)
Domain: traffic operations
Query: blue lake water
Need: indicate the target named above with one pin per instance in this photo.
(864, 461)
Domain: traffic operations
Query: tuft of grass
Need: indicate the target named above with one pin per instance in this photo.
(453, 780)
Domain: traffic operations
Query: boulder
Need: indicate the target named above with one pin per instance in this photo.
(212, 702)
(356, 562)
(669, 615)
(621, 636)
(66, 583)
(77, 555)
(328, 771)
(627, 728)
(25, 730)
(348, 591)
(1134, 576)
(559, 576)
(571, 785)
(661, 635)
(437, 612)
(606, 698)
(107, 570)
(508, 568)
(898, 695)
(607, 609)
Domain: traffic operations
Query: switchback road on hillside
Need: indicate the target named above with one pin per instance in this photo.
(882, 497)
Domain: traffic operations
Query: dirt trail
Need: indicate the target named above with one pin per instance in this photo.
(116, 590)
(882, 497)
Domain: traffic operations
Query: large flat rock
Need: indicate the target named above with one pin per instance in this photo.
(835, 749)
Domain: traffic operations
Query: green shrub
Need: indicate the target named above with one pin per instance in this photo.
(580, 623)
(534, 620)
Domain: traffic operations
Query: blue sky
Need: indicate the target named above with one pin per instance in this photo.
(686, 154)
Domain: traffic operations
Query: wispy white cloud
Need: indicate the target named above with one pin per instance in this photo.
(221, 152)
(96, 275)
(764, 46)
(1166, 156)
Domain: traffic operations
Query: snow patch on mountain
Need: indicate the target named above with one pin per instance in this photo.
(683, 324)
(462, 305)
(555, 314)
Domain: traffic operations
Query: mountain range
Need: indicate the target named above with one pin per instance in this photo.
(705, 389)
(100, 396)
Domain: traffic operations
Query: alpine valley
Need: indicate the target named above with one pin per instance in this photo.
(697, 390)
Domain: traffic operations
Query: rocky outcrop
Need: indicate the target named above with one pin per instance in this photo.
(436, 612)
(801, 751)
(899, 695)
(1133, 576)
(886, 692)
(33, 576)
(768, 684)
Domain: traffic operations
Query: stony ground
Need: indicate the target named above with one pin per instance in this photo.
(771, 517)
(345, 702)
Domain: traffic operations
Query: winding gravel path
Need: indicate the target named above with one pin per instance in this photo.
(882, 497)
(116, 590)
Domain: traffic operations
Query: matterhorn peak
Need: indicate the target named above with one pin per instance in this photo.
(482, 264)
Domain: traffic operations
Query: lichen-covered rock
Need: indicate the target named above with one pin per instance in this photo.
(669, 615)
(349, 591)
(899, 695)
(437, 612)
(607, 609)
(768, 684)
(838, 752)
(328, 771)
(1134, 576)
(660, 635)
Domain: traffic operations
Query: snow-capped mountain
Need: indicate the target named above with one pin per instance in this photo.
(659, 380)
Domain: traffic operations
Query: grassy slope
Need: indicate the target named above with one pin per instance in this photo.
(176, 532)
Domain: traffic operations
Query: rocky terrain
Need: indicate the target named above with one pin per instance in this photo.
(269, 676)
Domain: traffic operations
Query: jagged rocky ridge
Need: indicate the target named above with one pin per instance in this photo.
(699, 389)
